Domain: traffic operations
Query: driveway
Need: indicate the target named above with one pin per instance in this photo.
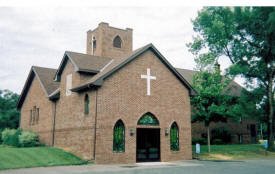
(265, 166)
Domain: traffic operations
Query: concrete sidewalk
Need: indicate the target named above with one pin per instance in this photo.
(190, 167)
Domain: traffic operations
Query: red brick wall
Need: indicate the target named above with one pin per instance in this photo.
(74, 129)
(235, 127)
(123, 96)
(37, 97)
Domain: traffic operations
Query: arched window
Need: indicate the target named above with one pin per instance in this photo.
(148, 119)
(174, 137)
(117, 42)
(119, 137)
(94, 43)
(87, 104)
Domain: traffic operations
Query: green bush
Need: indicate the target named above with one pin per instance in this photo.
(20, 138)
(10, 137)
(221, 133)
(201, 141)
(28, 139)
(218, 141)
(1, 136)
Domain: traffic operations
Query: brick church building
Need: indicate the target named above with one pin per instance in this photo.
(112, 104)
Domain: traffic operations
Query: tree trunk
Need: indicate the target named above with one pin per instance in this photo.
(270, 115)
(208, 138)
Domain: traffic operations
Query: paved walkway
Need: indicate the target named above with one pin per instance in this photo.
(180, 167)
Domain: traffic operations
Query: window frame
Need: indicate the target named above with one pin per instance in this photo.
(86, 104)
(116, 147)
(148, 119)
(176, 127)
(117, 40)
(69, 82)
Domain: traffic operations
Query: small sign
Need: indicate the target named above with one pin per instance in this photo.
(265, 144)
(198, 148)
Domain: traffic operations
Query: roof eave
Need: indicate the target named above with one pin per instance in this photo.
(192, 91)
(23, 92)
(88, 71)
(97, 83)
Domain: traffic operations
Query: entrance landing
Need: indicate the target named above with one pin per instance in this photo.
(154, 164)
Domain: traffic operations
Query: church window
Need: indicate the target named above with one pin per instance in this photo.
(174, 137)
(117, 42)
(148, 119)
(68, 84)
(87, 104)
(94, 43)
(30, 117)
(37, 115)
(119, 137)
(33, 115)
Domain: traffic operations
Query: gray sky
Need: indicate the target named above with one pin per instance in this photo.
(40, 36)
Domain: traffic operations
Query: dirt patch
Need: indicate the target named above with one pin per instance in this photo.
(220, 156)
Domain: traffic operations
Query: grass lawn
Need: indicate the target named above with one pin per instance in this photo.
(11, 158)
(233, 152)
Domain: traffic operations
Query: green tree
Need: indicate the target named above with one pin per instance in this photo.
(246, 36)
(9, 116)
(211, 104)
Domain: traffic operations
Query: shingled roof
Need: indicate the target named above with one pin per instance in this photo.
(82, 63)
(233, 88)
(45, 75)
(100, 67)
(45, 78)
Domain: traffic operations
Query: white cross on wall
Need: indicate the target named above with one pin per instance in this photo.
(148, 77)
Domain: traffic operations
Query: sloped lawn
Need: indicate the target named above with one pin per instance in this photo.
(233, 152)
(11, 158)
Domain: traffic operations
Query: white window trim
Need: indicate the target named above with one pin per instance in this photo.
(69, 80)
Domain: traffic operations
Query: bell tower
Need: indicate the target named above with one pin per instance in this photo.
(107, 41)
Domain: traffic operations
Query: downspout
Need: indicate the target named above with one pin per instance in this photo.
(95, 123)
(19, 122)
(54, 118)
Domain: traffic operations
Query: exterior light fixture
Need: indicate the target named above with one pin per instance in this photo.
(132, 132)
(166, 132)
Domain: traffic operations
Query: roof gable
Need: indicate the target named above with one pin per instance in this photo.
(233, 88)
(45, 78)
(118, 63)
(82, 63)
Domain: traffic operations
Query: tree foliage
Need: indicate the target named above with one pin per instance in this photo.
(9, 116)
(210, 105)
(246, 36)
(213, 103)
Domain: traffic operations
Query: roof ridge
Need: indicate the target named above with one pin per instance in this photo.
(34, 66)
(98, 79)
(127, 55)
(87, 54)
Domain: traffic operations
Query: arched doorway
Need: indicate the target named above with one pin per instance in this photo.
(148, 138)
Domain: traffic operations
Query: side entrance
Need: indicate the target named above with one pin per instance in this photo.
(148, 144)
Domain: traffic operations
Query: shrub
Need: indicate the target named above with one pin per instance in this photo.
(218, 141)
(10, 137)
(1, 136)
(28, 139)
(201, 141)
(221, 133)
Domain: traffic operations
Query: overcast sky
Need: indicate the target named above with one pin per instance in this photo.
(38, 32)
(40, 36)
